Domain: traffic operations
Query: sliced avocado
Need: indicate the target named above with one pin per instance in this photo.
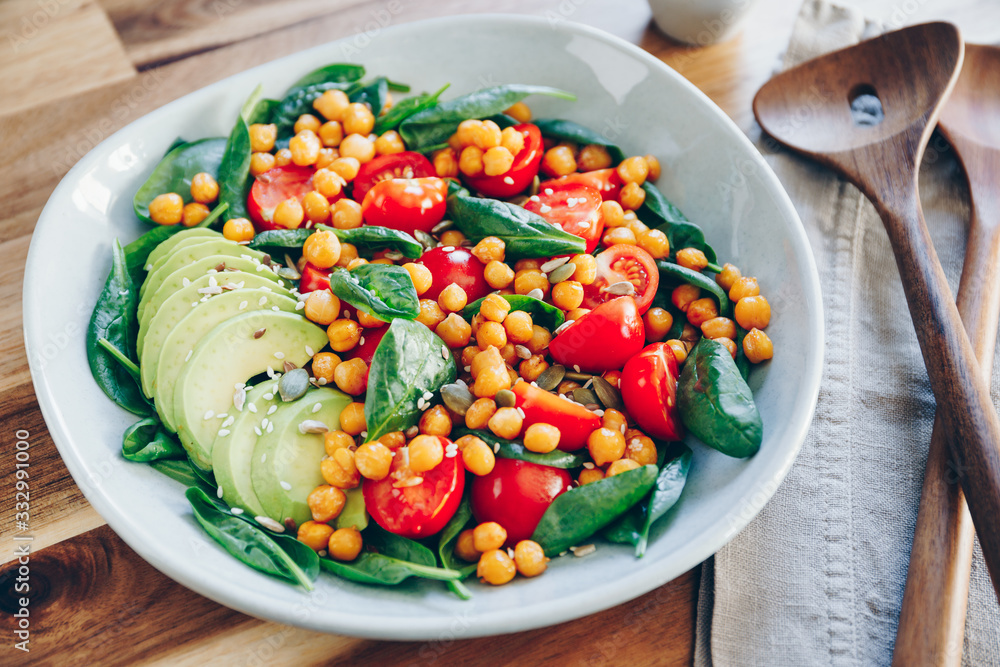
(227, 356)
(192, 253)
(179, 247)
(286, 462)
(185, 337)
(166, 246)
(354, 514)
(231, 454)
(154, 329)
(175, 281)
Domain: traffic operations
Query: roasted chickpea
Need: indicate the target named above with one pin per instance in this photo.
(431, 314)
(322, 307)
(541, 438)
(340, 470)
(488, 535)
(701, 311)
(495, 568)
(532, 367)
(505, 422)
(684, 295)
(315, 535)
(326, 503)
(425, 453)
(757, 346)
(606, 445)
(345, 544)
(477, 455)
(718, 327)
(753, 312)
(742, 288)
(323, 366)
(420, 275)
(489, 249)
(479, 413)
(351, 376)
(464, 548)
(620, 466)
(352, 418)
(344, 335)
(593, 157)
(436, 421)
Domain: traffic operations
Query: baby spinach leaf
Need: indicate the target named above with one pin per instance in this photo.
(715, 402)
(525, 234)
(333, 73)
(406, 108)
(179, 470)
(446, 542)
(374, 94)
(579, 513)
(557, 128)
(742, 362)
(674, 274)
(147, 440)
(542, 313)
(433, 126)
(400, 548)
(383, 290)
(234, 171)
(410, 360)
(660, 213)
(137, 252)
(381, 570)
(175, 171)
(512, 449)
(252, 545)
(366, 239)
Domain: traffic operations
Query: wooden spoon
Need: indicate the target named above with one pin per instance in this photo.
(867, 112)
(932, 622)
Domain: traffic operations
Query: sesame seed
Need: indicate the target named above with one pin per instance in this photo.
(262, 301)
(585, 550)
(496, 448)
(309, 351)
(361, 341)
(300, 305)
(508, 180)
(270, 427)
(263, 458)
(212, 282)
(218, 492)
(256, 429)
(236, 510)
(223, 432)
(260, 267)
(599, 413)
(322, 553)
(194, 304)
(149, 266)
(364, 434)
(421, 404)
(576, 367)
(467, 369)
(588, 465)
(275, 308)
(229, 422)
(428, 395)
(264, 422)
(268, 396)
(269, 523)
(251, 407)
(271, 410)
(243, 305)
(321, 381)
(448, 248)
(241, 284)
(444, 352)
(209, 414)
(544, 208)
(303, 297)
(520, 411)
(547, 191)
(623, 429)
(279, 355)
(188, 357)
(286, 486)
(316, 408)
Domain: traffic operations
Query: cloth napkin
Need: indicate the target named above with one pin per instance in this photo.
(817, 578)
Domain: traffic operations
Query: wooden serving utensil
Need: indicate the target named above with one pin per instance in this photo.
(867, 112)
(932, 621)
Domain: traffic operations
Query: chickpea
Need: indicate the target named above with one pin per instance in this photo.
(612, 213)
(446, 163)
(452, 237)
(393, 440)
(454, 331)
(654, 167)
(494, 308)
(690, 335)
(452, 298)
(614, 420)
(326, 503)
(477, 456)
(633, 170)
(317, 211)
(315, 535)
(489, 249)
(346, 167)
(641, 449)
(420, 275)
(757, 346)
(658, 324)
(352, 418)
(558, 161)
(532, 367)
(540, 339)
(166, 209)
(305, 147)
(464, 547)
(586, 269)
(518, 327)
(282, 158)
(567, 295)
(606, 445)
(679, 349)
(357, 118)
(576, 313)
(332, 104)
(389, 143)
(692, 258)
(204, 188)
(654, 242)
(334, 440)
(620, 466)
(436, 421)
(527, 264)
(498, 275)
(348, 253)
(727, 277)
(262, 138)
(306, 121)
(470, 161)
(322, 249)
(531, 279)
(491, 334)
(193, 213)
(729, 344)
(701, 311)
(512, 140)
(431, 314)
(479, 413)
(496, 568)
(593, 157)
(359, 147)
(683, 296)
(289, 213)
(322, 307)
(488, 535)
(327, 183)
(718, 327)
(324, 364)
(369, 321)
(426, 453)
(742, 288)
(618, 236)
(588, 475)
(497, 160)
(506, 423)
(351, 376)
(345, 544)
(519, 112)
(344, 335)
(753, 312)
(340, 470)
(492, 379)
(331, 133)
(541, 438)
(261, 162)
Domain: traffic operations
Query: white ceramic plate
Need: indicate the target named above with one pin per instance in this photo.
(710, 170)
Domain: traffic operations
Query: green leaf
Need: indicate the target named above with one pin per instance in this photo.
(435, 125)
(557, 128)
(742, 363)
(449, 535)
(366, 239)
(178, 470)
(406, 108)
(382, 570)
(715, 402)
(580, 512)
(234, 171)
(410, 361)
(374, 94)
(175, 171)
(542, 313)
(273, 555)
(400, 548)
(513, 449)
(674, 274)
(383, 290)
(525, 234)
(147, 440)
(333, 73)
(659, 213)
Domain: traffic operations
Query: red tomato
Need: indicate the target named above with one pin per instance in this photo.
(573, 208)
(521, 173)
(603, 339)
(623, 263)
(399, 165)
(314, 278)
(422, 509)
(450, 264)
(366, 350)
(406, 204)
(575, 422)
(605, 181)
(649, 389)
(275, 186)
(516, 494)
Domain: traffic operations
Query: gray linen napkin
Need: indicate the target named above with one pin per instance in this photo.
(817, 578)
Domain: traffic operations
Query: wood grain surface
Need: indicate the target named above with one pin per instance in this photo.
(75, 71)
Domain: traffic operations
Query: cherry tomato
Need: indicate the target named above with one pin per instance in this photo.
(422, 509)
(275, 186)
(314, 278)
(399, 165)
(406, 204)
(605, 181)
(575, 422)
(524, 169)
(649, 388)
(366, 350)
(516, 494)
(626, 263)
(449, 265)
(603, 339)
(573, 208)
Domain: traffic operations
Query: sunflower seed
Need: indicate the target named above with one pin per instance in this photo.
(505, 398)
(394, 255)
(312, 426)
(293, 384)
(620, 288)
(564, 272)
(609, 395)
(522, 352)
(289, 366)
(536, 294)
(551, 377)
(553, 264)
(584, 396)
(457, 398)
(535, 182)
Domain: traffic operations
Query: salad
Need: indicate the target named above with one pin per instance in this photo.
(421, 338)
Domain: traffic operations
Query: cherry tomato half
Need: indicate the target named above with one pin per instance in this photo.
(516, 494)
(398, 165)
(275, 186)
(450, 264)
(422, 509)
(603, 339)
(575, 422)
(406, 204)
(605, 181)
(573, 208)
(626, 263)
(524, 169)
(649, 389)
(314, 278)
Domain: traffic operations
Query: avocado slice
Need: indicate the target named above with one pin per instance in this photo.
(232, 454)
(154, 329)
(227, 356)
(285, 466)
(187, 254)
(354, 514)
(185, 337)
(167, 245)
(179, 247)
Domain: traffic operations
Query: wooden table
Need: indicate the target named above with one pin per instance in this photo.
(73, 72)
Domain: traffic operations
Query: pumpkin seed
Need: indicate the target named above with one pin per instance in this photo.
(442, 226)
(551, 377)
(564, 272)
(425, 239)
(457, 397)
(288, 273)
(505, 398)
(608, 394)
(535, 183)
(620, 288)
(584, 396)
(293, 384)
(579, 377)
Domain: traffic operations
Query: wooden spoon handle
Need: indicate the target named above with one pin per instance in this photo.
(932, 620)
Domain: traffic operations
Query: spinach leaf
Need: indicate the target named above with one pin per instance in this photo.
(383, 290)
(558, 128)
(252, 545)
(114, 320)
(406, 108)
(175, 171)
(147, 440)
(367, 238)
(178, 470)
(526, 234)
(446, 542)
(715, 402)
(397, 547)
(542, 313)
(433, 126)
(674, 274)
(334, 73)
(742, 363)
(382, 570)
(374, 94)
(512, 449)
(234, 171)
(410, 360)
(579, 513)
(660, 213)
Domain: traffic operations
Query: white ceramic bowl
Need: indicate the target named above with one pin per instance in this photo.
(710, 170)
